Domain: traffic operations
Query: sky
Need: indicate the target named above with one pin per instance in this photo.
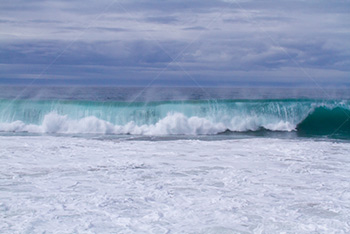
(175, 43)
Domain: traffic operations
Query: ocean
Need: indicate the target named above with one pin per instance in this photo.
(174, 160)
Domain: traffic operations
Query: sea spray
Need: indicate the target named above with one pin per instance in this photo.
(174, 117)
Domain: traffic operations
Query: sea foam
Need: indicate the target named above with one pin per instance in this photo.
(172, 124)
(78, 185)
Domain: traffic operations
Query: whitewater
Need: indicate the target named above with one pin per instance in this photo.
(261, 185)
(179, 160)
(200, 117)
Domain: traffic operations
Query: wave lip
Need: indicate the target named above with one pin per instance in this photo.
(307, 118)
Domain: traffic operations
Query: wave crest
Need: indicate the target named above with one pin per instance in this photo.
(188, 118)
(172, 124)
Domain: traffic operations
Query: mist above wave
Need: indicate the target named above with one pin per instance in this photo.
(175, 118)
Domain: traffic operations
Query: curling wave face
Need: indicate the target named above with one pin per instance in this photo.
(309, 117)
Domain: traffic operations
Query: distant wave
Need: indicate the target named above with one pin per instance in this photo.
(309, 117)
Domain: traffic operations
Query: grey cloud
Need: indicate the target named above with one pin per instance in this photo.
(196, 28)
(211, 40)
(162, 19)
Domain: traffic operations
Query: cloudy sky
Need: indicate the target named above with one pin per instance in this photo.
(175, 42)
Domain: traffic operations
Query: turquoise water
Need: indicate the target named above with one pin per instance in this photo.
(182, 112)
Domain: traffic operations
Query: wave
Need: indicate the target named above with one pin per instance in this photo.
(325, 121)
(306, 117)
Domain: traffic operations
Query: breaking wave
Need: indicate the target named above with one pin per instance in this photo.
(308, 117)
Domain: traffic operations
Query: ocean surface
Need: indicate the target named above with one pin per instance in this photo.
(176, 112)
(174, 160)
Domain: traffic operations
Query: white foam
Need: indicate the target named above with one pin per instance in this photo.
(172, 124)
(76, 185)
